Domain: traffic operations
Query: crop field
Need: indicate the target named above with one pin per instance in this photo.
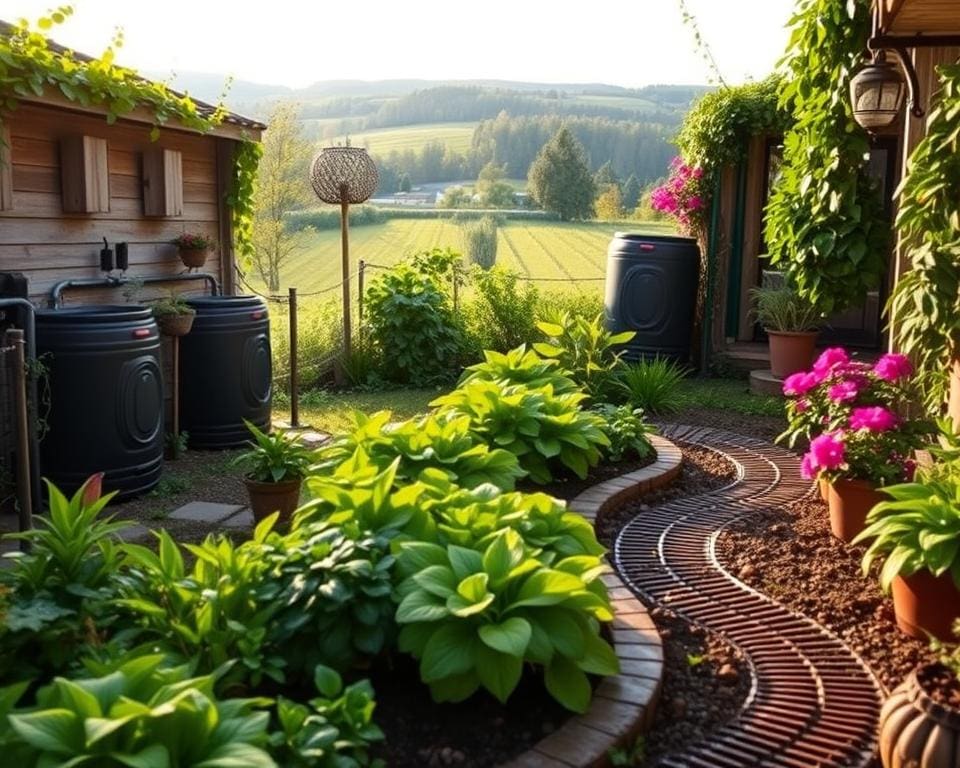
(542, 251)
(457, 136)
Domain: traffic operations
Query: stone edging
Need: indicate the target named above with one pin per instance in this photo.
(623, 705)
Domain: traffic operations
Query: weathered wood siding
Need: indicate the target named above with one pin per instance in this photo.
(48, 245)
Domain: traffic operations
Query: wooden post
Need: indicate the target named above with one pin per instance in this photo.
(360, 270)
(24, 498)
(456, 292)
(175, 403)
(294, 373)
(345, 266)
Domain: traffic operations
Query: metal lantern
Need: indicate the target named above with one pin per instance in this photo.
(877, 92)
(344, 176)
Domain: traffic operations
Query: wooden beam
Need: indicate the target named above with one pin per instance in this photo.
(752, 231)
(6, 169)
(226, 153)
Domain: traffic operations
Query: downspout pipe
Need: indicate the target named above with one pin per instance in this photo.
(56, 293)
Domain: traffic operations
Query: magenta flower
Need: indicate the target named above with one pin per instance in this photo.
(843, 392)
(695, 203)
(893, 366)
(830, 359)
(803, 405)
(874, 418)
(797, 384)
(807, 470)
(827, 451)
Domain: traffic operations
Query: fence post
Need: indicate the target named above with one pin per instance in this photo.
(24, 501)
(294, 377)
(456, 292)
(360, 270)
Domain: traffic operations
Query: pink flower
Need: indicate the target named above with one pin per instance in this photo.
(802, 406)
(694, 203)
(874, 418)
(909, 470)
(91, 489)
(807, 470)
(830, 359)
(893, 366)
(827, 451)
(843, 392)
(797, 384)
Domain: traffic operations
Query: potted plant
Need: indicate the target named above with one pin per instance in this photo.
(920, 721)
(193, 249)
(791, 324)
(917, 530)
(849, 414)
(173, 315)
(275, 467)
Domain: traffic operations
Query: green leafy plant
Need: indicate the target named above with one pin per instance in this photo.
(176, 445)
(520, 366)
(654, 385)
(274, 457)
(447, 444)
(501, 314)
(333, 592)
(632, 755)
(585, 349)
(209, 614)
(783, 309)
(333, 730)
(190, 241)
(140, 714)
(626, 430)
(543, 429)
(480, 241)
(173, 304)
(474, 618)
(825, 223)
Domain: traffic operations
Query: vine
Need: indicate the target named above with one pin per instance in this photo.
(825, 222)
(240, 198)
(926, 301)
(701, 44)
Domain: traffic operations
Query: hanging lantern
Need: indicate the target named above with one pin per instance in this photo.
(877, 93)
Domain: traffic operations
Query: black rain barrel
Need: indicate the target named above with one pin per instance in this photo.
(651, 288)
(226, 373)
(106, 397)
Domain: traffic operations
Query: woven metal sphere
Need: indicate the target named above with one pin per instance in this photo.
(344, 175)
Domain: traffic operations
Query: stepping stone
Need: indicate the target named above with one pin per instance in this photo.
(241, 520)
(204, 512)
(135, 532)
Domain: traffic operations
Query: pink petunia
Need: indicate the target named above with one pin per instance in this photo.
(797, 384)
(830, 359)
(893, 366)
(695, 203)
(827, 451)
(803, 405)
(874, 418)
(807, 469)
(843, 391)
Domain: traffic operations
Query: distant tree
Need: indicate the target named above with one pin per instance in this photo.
(560, 179)
(455, 197)
(609, 204)
(498, 195)
(631, 192)
(605, 176)
(480, 239)
(405, 184)
(282, 186)
(645, 210)
(490, 174)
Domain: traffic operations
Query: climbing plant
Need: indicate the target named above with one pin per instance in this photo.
(825, 223)
(925, 305)
(240, 197)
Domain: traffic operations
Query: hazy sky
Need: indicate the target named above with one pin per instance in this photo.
(293, 42)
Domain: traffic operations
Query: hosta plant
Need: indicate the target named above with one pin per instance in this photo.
(543, 429)
(476, 618)
(139, 715)
(626, 430)
(429, 442)
(333, 730)
(520, 366)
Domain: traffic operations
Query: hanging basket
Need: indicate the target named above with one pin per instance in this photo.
(344, 175)
(176, 325)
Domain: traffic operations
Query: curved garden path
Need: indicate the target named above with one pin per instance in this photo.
(813, 701)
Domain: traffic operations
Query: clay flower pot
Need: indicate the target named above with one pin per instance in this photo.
(926, 604)
(267, 498)
(823, 486)
(917, 731)
(791, 351)
(850, 501)
(953, 404)
(176, 325)
(193, 258)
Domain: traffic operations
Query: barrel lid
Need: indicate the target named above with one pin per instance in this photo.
(95, 313)
(638, 237)
(226, 302)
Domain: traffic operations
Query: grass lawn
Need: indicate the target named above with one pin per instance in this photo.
(456, 136)
(729, 395)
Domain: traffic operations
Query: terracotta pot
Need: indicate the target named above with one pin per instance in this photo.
(193, 257)
(953, 405)
(791, 351)
(267, 498)
(917, 731)
(926, 604)
(823, 485)
(850, 501)
(175, 325)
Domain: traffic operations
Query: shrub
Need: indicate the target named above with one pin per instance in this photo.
(554, 303)
(783, 309)
(329, 218)
(654, 385)
(520, 366)
(626, 430)
(319, 339)
(502, 313)
(480, 239)
(411, 320)
(474, 618)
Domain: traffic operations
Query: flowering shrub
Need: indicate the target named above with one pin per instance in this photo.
(192, 241)
(850, 412)
(682, 196)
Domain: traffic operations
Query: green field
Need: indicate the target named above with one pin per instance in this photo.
(546, 251)
(457, 136)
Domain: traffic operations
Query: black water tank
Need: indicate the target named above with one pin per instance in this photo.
(225, 371)
(651, 288)
(106, 397)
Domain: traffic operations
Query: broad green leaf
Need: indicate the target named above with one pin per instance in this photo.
(511, 636)
(498, 672)
(448, 652)
(568, 684)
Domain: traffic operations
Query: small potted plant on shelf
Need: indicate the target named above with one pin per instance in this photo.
(275, 467)
(918, 531)
(920, 721)
(193, 249)
(792, 326)
(850, 414)
(173, 315)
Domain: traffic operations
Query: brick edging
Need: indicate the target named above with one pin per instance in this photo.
(622, 705)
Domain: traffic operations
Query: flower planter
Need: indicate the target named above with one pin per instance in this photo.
(175, 325)
(791, 351)
(926, 604)
(823, 486)
(917, 731)
(850, 501)
(267, 498)
(953, 408)
(193, 258)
